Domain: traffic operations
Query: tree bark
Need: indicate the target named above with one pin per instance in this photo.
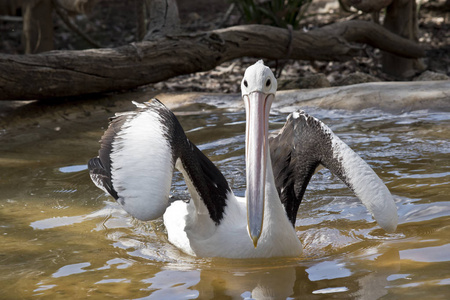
(37, 33)
(10, 7)
(401, 18)
(140, 9)
(163, 18)
(78, 6)
(71, 73)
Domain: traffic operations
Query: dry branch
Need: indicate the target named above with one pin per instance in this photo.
(63, 14)
(70, 73)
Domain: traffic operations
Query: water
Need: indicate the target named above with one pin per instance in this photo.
(61, 237)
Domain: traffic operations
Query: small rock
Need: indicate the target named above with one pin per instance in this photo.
(431, 76)
(307, 82)
(355, 78)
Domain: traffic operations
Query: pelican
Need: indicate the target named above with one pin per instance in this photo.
(140, 150)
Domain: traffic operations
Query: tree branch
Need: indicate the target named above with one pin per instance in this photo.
(70, 73)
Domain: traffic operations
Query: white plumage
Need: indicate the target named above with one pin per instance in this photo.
(142, 136)
(190, 229)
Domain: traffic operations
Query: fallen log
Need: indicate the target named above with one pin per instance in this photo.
(392, 97)
(71, 73)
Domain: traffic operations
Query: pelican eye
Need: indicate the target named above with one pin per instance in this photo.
(268, 82)
(245, 83)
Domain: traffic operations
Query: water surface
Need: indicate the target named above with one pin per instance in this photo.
(61, 237)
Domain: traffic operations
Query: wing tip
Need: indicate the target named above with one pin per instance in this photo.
(384, 211)
(390, 218)
(390, 228)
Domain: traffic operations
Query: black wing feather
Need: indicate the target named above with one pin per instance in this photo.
(296, 152)
(100, 167)
(304, 143)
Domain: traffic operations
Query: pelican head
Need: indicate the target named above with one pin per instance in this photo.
(258, 92)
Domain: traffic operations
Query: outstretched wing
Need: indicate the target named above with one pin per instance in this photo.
(137, 158)
(305, 143)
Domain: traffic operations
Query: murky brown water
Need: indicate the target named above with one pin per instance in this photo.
(62, 238)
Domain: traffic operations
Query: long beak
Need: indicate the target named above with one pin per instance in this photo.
(257, 111)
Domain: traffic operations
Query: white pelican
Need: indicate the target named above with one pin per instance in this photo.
(140, 149)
